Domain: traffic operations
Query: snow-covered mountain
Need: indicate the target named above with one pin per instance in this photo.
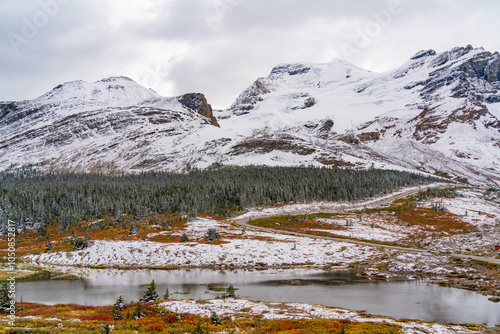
(111, 124)
(437, 113)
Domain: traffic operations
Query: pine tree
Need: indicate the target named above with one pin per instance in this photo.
(48, 246)
(184, 237)
(199, 330)
(87, 240)
(106, 329)
(230, 292)
(21, 305)
(214, 318)
(138, 312)
(120, 303)
(133, 230)
(166, 295)
(150, 295)
(116, 314)
(212, 235)
(4, 296)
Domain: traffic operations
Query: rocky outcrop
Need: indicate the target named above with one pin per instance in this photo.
(251, 96)
(477, 77)
(423, 53)
(198, 103)
(278, 142)
(290, 69)
(321, 129)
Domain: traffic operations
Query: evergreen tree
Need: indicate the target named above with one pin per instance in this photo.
(133, 230)
(230, 292)
(70, 198)
(48, 246)
(166, 295)
(87, 240)
(184, 237)
(21, 305)
(150, 295)
(118, 306)
(214, 318)
(106, 329)
(199, 330)
(116, 313)
(4, 296)
(138, 312)
(212, 235)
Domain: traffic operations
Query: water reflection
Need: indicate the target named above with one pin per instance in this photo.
(409, 299)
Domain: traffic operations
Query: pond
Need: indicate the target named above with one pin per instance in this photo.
(407, 299)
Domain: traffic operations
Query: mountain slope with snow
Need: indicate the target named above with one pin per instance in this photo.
(438, 113)
(112, 124)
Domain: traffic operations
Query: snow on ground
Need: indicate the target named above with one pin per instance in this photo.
(274, 249)
(252, 248)
(474, 209)
(296, 209)
(471, 206)
(420, 263)
(381, 230)
(231, 307)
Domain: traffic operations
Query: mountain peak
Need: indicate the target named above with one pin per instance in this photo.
(116, 79)
(114, 91)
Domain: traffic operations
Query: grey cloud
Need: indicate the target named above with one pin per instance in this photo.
(218, 47)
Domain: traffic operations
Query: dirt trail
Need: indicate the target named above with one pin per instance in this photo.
(243, 222)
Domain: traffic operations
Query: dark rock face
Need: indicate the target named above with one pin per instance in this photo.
(311, 101)
(485, 66)
(453, 54)
(477, 78)
(321, 129)
(278, 142)
(423, 53)
(198, 103)
(251, 96)
(13, 112)
(292, 69)
(325, 128)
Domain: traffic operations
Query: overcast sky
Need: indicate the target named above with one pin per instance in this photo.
(219, 47)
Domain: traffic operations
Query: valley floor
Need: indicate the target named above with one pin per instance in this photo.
(473, 229)
(242, 247)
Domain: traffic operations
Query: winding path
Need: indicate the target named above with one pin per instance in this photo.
(243, 222)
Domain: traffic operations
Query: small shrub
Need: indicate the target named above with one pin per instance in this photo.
(184, 238)
(230, 292)
(214, 318)
(212, 235)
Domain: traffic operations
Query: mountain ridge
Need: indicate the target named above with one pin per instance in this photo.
(438, 113)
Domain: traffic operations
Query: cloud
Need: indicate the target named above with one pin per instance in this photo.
(219, 47)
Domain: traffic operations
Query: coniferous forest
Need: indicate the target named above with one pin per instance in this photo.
(34, 199)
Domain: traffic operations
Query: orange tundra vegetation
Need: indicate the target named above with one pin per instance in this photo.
(408, 212)
(70, 318)
(106, 228)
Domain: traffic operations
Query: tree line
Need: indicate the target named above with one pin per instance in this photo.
(33, 199)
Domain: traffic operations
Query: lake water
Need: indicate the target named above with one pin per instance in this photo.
(408, 299)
